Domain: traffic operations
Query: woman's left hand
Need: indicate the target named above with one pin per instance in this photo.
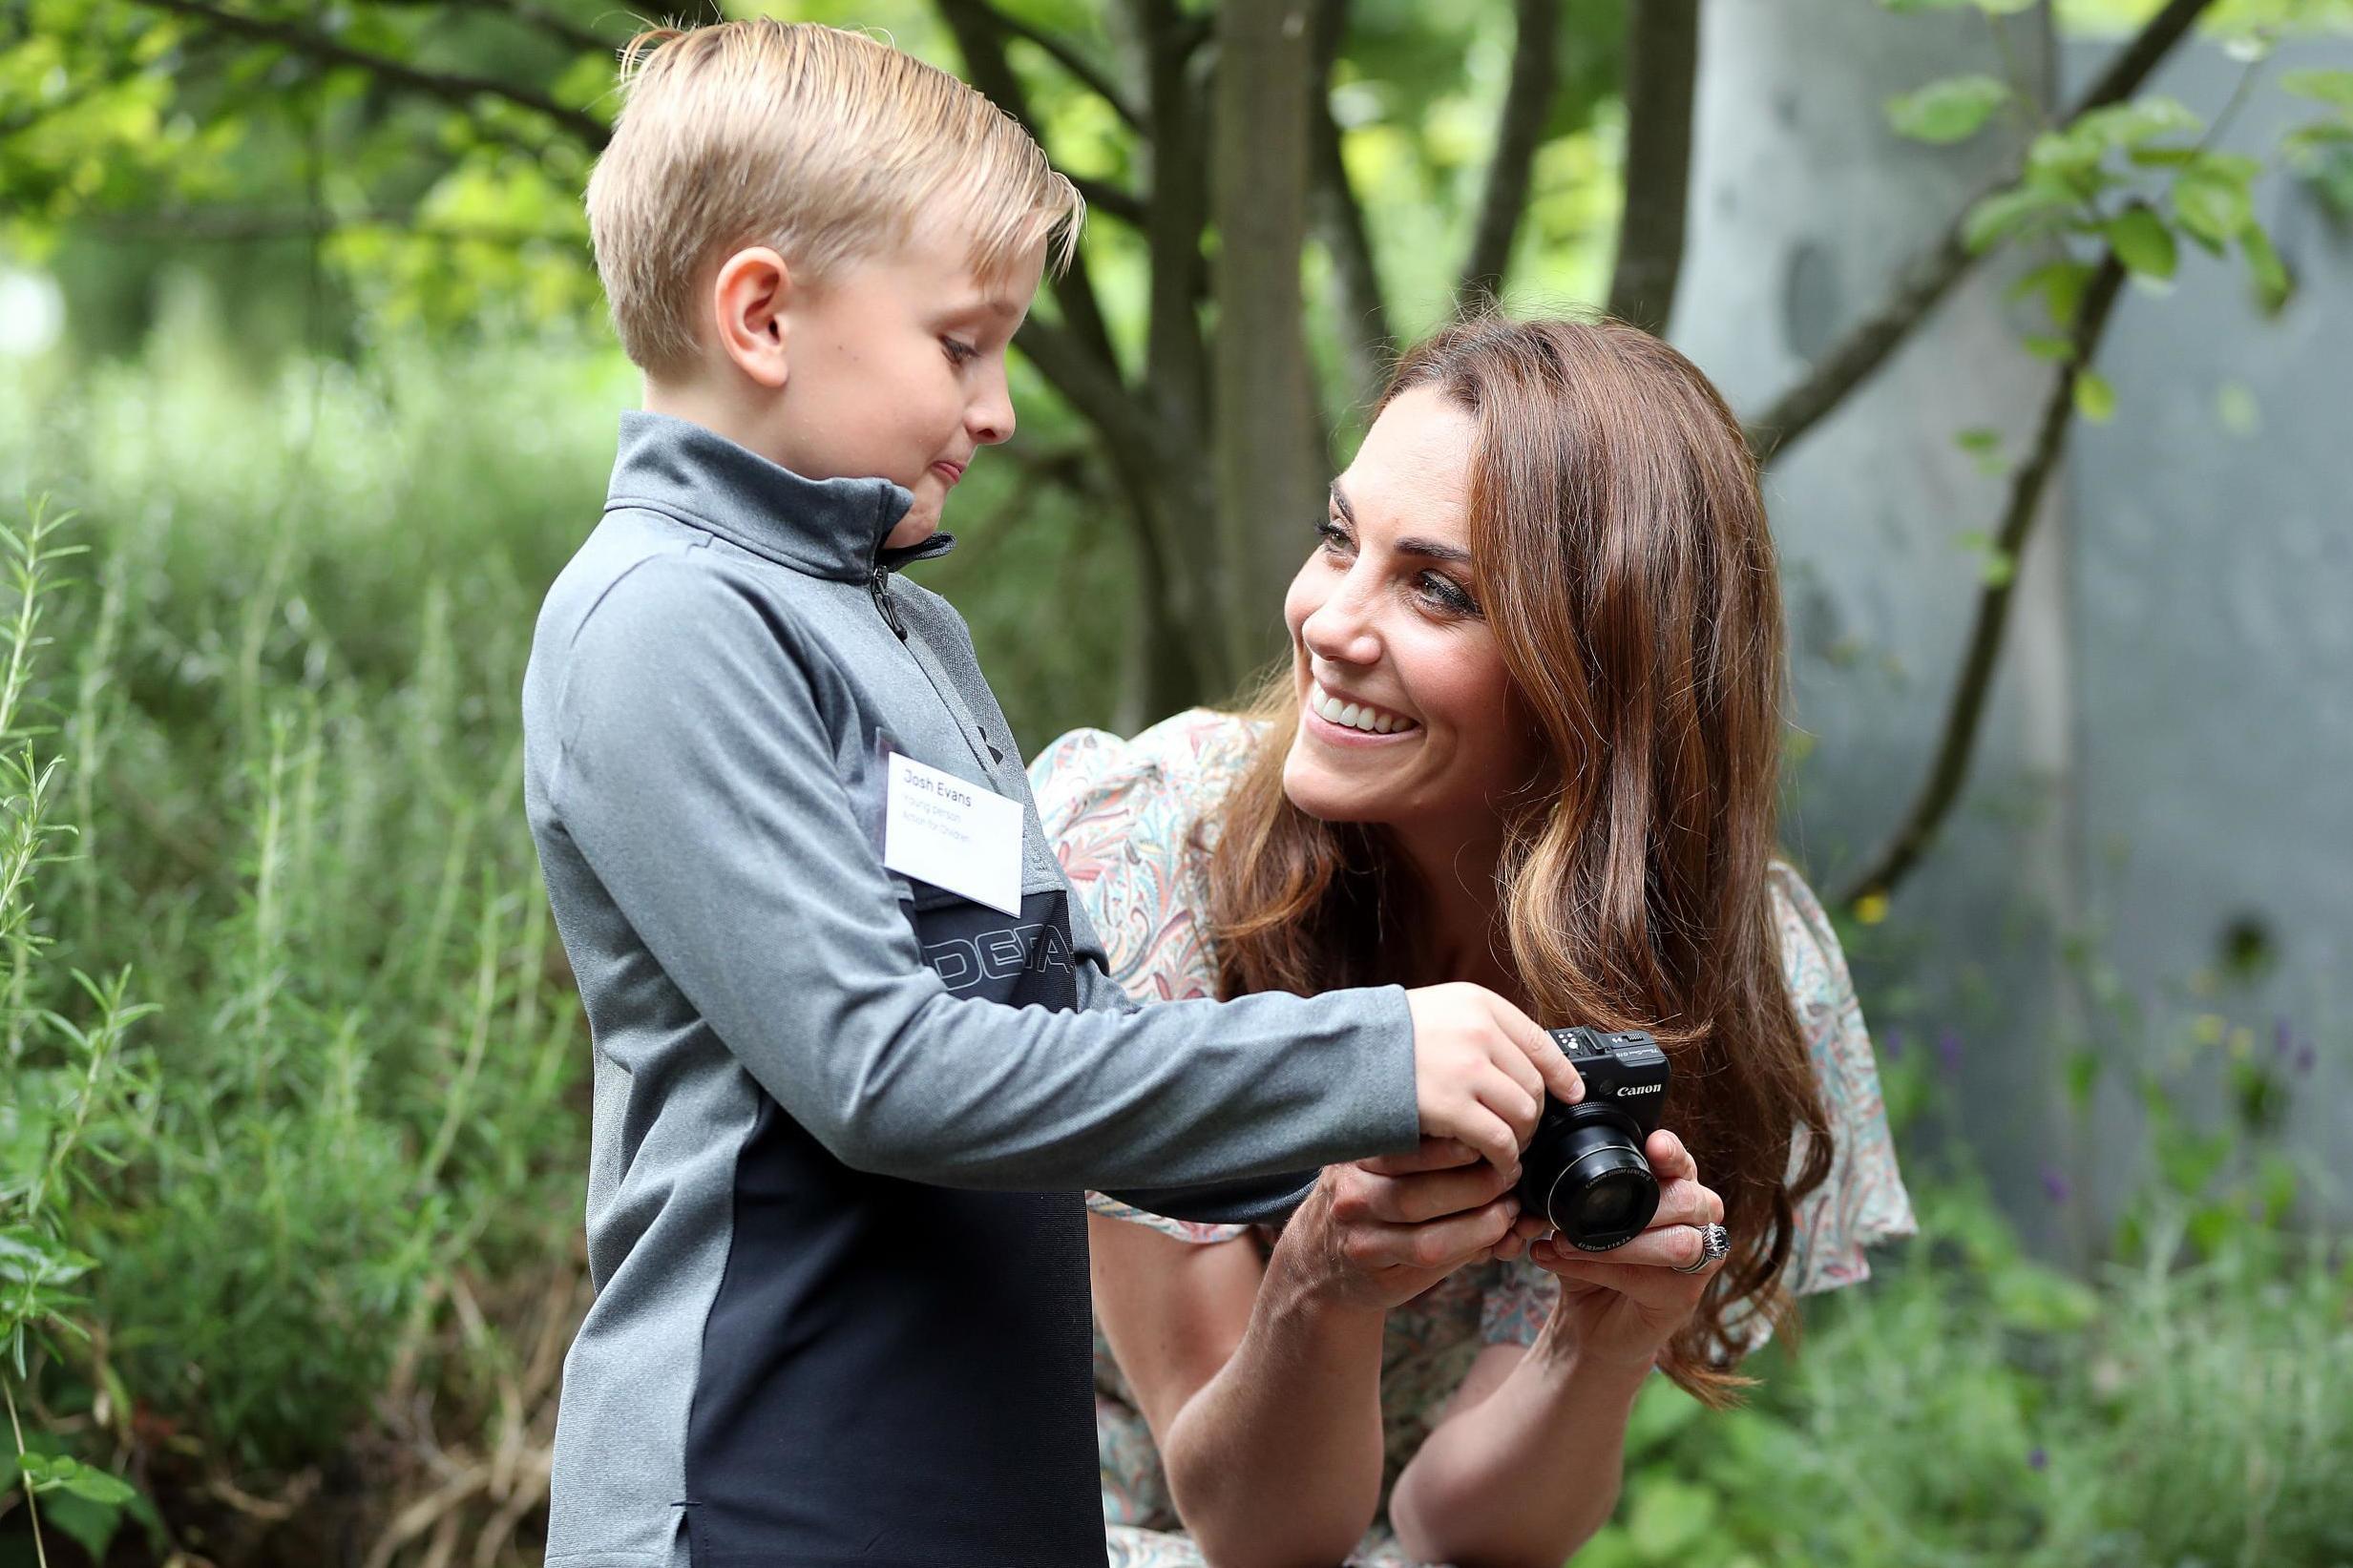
(1622, 1307)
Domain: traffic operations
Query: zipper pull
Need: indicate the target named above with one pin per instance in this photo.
(880, 583)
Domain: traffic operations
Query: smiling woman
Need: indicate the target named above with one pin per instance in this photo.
(1527, 737)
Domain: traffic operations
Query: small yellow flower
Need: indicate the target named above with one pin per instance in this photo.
(1871, 908)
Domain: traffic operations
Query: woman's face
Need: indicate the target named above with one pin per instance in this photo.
(1383, 620)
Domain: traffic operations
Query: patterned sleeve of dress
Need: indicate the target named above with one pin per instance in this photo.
(1863, 1201)
(1118, 813)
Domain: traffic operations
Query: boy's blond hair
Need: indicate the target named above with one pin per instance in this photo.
(821, 143)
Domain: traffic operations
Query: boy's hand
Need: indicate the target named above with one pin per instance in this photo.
(1481, 1069)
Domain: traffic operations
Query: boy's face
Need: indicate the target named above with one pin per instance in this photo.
(896, 369)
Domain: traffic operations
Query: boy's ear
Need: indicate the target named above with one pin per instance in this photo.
(750, 297)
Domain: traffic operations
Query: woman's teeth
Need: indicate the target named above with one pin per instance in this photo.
(1349, 714)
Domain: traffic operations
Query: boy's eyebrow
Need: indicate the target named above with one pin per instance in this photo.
(1429, 549)
(1003, 305)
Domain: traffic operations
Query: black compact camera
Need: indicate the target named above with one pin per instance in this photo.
(1586, 1170)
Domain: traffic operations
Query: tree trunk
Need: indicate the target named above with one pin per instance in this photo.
(1268, 466)
(1662, 67)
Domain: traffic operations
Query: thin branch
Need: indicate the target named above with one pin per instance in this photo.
(450, 87)
(976, 26)
(233, 226)
(1357, 296)
(1662, 66)
(1113, 201)
(39, 114)
(1950, 769)
(1089, 385)
(554, 28)
(1924, 282)
(1062, 52)
(1176, 379)
(1535, 75)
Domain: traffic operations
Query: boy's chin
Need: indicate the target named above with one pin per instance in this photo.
(922, 519)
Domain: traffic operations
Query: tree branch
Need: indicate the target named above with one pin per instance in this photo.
(1176, 357)
(975, 25)
(554, 28)
(1662, 66)
(1950, 769)
(1085, 71)
(1087, 383)
(1924, 282)
(1112, 201)
(1357, 296)
(1535, 75)
(448, 86)
(235, 226)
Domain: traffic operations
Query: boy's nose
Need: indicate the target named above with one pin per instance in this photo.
(990, 417)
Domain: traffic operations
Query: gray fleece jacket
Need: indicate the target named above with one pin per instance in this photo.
(842, 1117)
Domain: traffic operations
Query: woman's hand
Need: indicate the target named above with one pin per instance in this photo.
(1623, 1307)
(1380, 1232)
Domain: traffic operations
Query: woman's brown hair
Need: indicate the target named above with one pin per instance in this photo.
(1625, 572)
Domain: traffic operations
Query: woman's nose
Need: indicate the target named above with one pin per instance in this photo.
(1339, 631)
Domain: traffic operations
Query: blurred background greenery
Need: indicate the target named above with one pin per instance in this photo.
(305, 396)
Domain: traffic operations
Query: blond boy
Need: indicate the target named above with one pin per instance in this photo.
(855, 1054)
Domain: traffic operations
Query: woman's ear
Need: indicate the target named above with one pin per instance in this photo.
(749, 297)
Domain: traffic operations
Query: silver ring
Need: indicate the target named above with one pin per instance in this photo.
(1715, 1242)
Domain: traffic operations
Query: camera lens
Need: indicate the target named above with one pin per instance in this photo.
(1608, 1202)
(1590, 1181)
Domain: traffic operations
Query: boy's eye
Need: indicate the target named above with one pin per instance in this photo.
(959, 352)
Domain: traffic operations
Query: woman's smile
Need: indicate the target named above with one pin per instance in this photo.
(1347, 720)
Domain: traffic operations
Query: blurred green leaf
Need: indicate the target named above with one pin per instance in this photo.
(63, 1472)
(2235, 409)
(2018, 210)
(2140, 120)
(1669, 1516)
(2329, 86)
(1949, 110)
(2273, 285)
(2042, 1299)
(2095, 398)
(2143, 242)
(2211, 204)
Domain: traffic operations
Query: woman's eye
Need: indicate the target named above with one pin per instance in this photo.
(959, 352)
(1447, 594)
(1334, 537)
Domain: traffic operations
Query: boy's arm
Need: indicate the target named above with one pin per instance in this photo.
(1261, 1199)
(697, 778)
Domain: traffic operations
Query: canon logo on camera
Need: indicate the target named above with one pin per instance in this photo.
(1642, 1089)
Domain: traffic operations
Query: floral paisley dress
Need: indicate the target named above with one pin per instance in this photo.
(1122, 814)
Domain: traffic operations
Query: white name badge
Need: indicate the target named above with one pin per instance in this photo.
(954, 834)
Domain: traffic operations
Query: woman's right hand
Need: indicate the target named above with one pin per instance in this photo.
(1377, 1233)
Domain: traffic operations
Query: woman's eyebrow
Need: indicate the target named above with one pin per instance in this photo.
(1428, 549)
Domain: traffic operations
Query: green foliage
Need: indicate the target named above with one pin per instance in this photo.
(1971, 1406)
(61, 1117)
(1954, 109)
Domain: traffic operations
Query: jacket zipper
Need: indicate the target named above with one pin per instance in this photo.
(880, 584)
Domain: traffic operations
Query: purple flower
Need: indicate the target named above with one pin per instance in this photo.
(2283, 1037)
(2304, 1058)
(1948, 1049)
(2039, 1460)
(2055, 1185)
(1891, 1043)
